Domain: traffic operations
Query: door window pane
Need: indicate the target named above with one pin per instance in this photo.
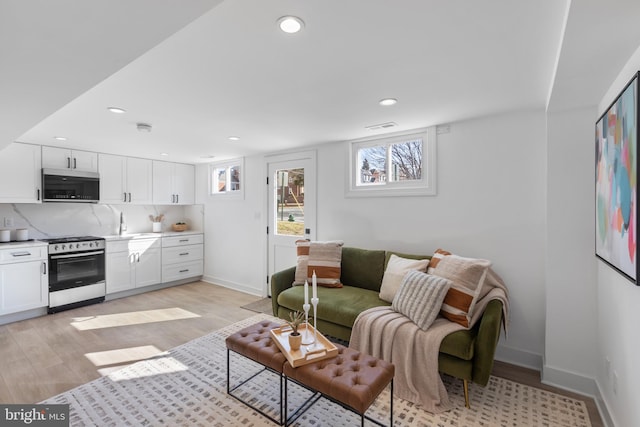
(289, 196)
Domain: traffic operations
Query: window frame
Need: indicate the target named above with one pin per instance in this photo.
(426, 186)
(227, 165)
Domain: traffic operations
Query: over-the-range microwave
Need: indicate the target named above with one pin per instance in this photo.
(64, 185)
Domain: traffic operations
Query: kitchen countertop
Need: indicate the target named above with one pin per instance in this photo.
(25, 244)
(150, 235)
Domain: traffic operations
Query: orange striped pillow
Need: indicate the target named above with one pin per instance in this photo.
(468, 277)
(435, 259)
(323, 258)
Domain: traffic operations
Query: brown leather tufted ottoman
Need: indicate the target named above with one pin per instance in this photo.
(351, 379)
(255, 343)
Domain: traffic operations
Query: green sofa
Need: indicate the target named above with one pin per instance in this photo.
(467, 354)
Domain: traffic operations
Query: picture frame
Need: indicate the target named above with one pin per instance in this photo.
(616, 183)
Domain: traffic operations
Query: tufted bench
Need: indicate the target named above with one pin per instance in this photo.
(351, 379)
(255, 343)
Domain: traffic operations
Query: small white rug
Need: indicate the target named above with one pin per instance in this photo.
(187, 387)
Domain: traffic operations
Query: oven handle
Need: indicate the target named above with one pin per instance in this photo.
(76, 255)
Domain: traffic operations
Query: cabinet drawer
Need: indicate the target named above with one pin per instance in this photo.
(189, 239)
(187, 253)
(22, 254)
(182, 271)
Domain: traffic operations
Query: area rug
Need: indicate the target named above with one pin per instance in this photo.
(187, 387)
(260, 306)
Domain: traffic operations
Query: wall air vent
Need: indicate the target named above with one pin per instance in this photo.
(382, 126)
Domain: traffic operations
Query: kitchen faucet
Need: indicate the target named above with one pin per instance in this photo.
(123, 226)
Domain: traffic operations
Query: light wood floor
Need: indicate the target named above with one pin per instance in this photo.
(42, 357)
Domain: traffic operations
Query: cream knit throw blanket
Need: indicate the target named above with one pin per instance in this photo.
(388, 335)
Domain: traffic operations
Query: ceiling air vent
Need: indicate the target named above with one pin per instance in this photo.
(382, 126)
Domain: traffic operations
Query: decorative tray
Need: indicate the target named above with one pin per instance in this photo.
(323, 349)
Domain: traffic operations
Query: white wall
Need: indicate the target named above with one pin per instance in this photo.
(570, 359)
(490, 204)
(235, 231)
(618, 314)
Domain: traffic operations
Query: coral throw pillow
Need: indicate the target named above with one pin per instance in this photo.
(323, 258)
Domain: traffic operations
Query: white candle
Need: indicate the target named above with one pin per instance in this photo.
(306, 292)
(314, 283)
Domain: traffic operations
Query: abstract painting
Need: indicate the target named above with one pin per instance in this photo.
(616, 173)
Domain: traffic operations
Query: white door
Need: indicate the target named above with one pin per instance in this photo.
(291, 207)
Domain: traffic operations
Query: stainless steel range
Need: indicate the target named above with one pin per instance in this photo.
(76, 272)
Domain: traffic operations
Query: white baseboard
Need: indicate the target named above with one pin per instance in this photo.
(517, 357)
(233, 285)
(580, 384)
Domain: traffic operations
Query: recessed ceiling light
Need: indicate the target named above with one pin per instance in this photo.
(388, 101)
(164, 154)
(60, 138)
(117, 110)
(234, 138)
(290, 24)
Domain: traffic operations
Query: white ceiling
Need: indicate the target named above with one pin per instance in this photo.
(232, 72)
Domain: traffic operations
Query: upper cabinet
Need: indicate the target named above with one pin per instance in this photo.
(62, 158)
(173, 183)
(125, 180)
(20, 174)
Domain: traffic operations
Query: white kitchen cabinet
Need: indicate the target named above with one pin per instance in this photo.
(21, 174)
(24, 279)
(125, 180)
(133, 263)
(63, 158)
(182, 257)
(173, 183)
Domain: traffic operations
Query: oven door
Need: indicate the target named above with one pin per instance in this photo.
(73, 270)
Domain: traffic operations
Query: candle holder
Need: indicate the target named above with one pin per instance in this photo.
(314, 302)
(307, 338)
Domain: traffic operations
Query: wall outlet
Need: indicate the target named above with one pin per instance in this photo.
(615, 382)
(8, 221)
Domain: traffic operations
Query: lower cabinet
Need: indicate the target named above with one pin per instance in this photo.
(182, 257)
(24, 279)
(133, 264)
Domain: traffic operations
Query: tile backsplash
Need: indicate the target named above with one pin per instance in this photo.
(89, 219)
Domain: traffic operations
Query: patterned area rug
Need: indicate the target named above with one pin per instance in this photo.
(187, 387)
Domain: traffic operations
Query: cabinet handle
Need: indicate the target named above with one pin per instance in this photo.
(38, 196)
(44, 268)
(138, 257)
(17, 254)
(184, 253)
(129, 197)
(183, 240)
(183, 271)
(177, 198)
(75, 165)
(125, 197)
(68, 162)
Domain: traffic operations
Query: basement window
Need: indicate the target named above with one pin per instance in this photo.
(226, 178)
(401, 164)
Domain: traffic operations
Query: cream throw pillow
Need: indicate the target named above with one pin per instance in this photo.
(420, 297)
(397, 268)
